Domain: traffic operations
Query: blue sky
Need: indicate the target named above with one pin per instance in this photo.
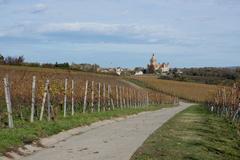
(186, 33)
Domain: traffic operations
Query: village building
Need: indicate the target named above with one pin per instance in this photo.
(138, 73)
(154, 66)
(119, 71)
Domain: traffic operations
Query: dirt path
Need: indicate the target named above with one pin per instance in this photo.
(113, 141)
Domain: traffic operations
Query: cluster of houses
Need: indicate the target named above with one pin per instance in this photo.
(153, 67)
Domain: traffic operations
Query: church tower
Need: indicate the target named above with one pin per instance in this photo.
(153, 60)
(154, 66)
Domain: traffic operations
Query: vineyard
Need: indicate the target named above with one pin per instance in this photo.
(31, 94)
(225, 101)
(186, 90)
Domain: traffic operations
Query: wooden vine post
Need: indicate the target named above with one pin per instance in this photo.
(73, 94)
(33, 99)
(111, 99)
(99, 96)
(49, 103)
(130, 98)
(108, 96)
(8, 102)
(65, 98)
(44, 99)
(139, 102)
(116, 96)
(135, 97)
(92, 103)
(104, 96)
(120, 94)
(85, 98)
(140, 98)
(127, 97)
(112, 103)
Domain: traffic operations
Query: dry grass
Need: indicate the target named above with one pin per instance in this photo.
(186, 90)
(221, 99)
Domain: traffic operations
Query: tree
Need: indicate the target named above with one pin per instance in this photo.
(151, 69)
(14, 60)
(1, 59)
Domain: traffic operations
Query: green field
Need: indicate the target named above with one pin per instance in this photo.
(194, 134)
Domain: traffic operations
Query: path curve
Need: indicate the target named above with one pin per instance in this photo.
(114, 141)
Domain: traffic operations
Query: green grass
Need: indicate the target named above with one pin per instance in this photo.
(194, 134)
(25, 132)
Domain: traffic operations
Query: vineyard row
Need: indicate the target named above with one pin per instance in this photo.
(50, 98)
(226, 102)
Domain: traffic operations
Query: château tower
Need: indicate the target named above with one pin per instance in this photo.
(153, 60)
(154, 66)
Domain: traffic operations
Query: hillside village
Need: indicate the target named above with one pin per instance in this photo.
(152, 68)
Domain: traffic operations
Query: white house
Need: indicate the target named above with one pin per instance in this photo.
(119, 71)
(138, 73)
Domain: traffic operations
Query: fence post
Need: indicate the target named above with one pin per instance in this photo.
(116, 96)
(85, 98)
(99, 96)
(104, 96)
(48, 104)
(44, 99)
(73, 93)
(108, 96)
(120, 92)
(65, 98)
(8, 102)
(127, 99)
(111, 99)
(92, 103)
(33, 98)
(112, 104)
(135, 97)
(140, 98)
(130, 98)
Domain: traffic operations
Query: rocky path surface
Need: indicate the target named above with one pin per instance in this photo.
(117, 140)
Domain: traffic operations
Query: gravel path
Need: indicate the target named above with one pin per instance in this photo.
(114, 141)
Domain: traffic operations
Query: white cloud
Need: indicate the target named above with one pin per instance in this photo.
(135, 30)
(99, 32)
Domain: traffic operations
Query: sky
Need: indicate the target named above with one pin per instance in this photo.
(112, 33)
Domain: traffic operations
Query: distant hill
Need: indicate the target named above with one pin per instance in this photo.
(208, 75)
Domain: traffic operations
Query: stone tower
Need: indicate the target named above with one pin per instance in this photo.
(154, 66)
(153, 60)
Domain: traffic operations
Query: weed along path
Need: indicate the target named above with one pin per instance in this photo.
(117, 140)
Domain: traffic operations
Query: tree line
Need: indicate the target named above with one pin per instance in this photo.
(20, 61)
(207, 75)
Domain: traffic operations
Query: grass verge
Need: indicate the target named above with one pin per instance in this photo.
(193, 134)
(25, 132)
